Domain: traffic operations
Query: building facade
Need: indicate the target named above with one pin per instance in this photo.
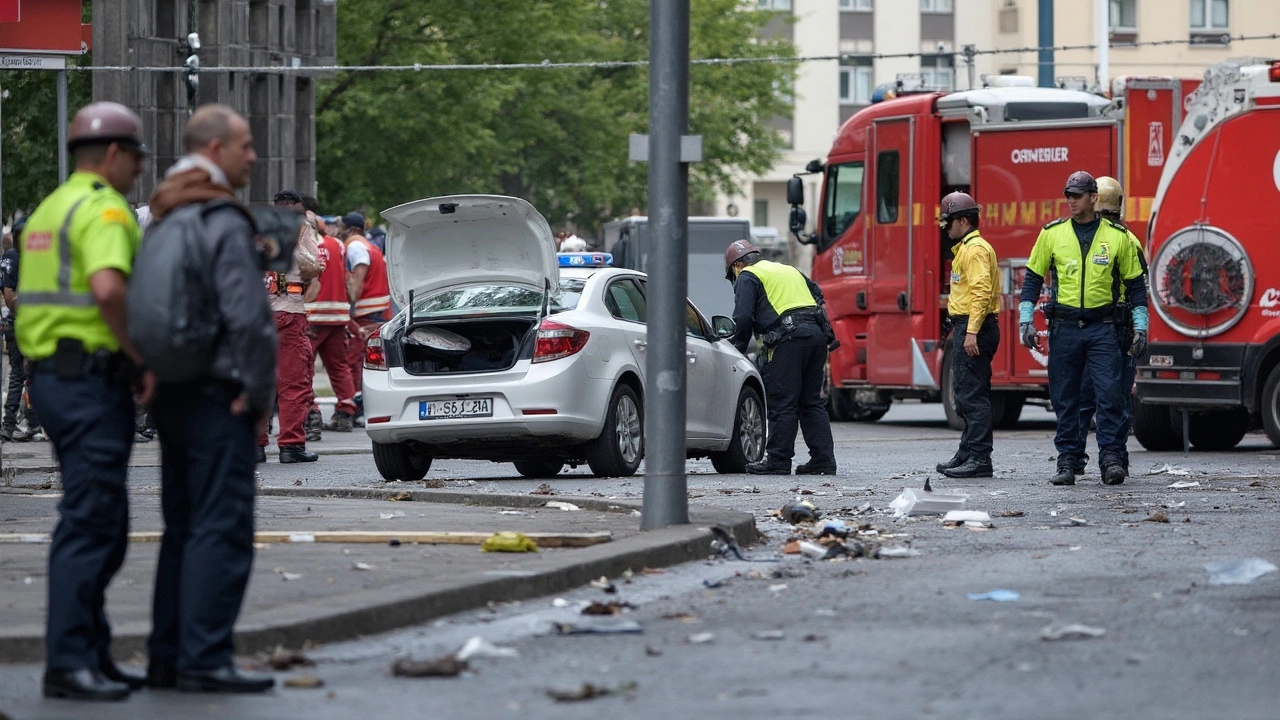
(264, 34)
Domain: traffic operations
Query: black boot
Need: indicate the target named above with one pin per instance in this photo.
(297, 455)
(770, 467)
(261, 456)
(162, 675)
(814, 467)
(956, 461)
(226, 679)
(972, 468)
(82, 684)
(115, 673)
(341, 422)
(1066, 475)
(1113, 474)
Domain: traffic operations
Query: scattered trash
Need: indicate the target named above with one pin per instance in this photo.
(397, 497)
(281, 659)
(684, 617)
(286, 576)
(997, 595)
(618, 627)
(1185, 484)
(1238, 572)
(713, 584)
(588, 691)
(603, 584)
(723, 543)
(479, 647)
(1071, 632)
(543, 489)
(363, 566)
(560, 603)
(897, 552)
(1158, 516)
(925, 502)
(702, 638)
(778, 588)
(443, 666)
(800, 511)
(512, 512)
(834, 528)
(813, 550)
(1012, 513)
(791, 548)
(304, 682)
(1073, 522)
(433, 484)
(613, 607)
(652, 571)
(652, 651)
(568, 507)
(769, 635)
(508, 541)
(967, 518)
(1168, 469)
(390, 515)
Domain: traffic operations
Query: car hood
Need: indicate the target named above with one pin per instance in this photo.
(441, 242)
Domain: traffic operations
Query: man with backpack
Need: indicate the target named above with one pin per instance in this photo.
(209, 417)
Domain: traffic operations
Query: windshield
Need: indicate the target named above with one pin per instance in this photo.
(496, 300)
(843, 201)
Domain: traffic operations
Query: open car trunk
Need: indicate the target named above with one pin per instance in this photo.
(467, 345)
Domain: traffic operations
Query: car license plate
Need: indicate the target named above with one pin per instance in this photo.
(460, 408)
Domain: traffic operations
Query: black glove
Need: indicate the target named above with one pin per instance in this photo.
(1139, 345)
(1030, 339)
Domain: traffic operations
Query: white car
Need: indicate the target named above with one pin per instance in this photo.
(506, 351)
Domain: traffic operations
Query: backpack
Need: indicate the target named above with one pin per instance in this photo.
(172, 310)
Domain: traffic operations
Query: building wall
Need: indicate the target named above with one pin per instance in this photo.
(280, 107)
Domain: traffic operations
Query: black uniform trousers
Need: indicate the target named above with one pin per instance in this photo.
(206, 552)
(89, 420)
(971, 383)
(793, 377)
(17, 380)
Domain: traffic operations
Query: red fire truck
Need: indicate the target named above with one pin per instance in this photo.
(1213, 368)
(882, 262)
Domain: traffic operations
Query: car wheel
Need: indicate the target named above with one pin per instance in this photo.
(620, 447)
(397, 461)
(539, 468)
(747, 444)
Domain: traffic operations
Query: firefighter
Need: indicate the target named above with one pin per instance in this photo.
(370, 297)
(784, 309)
(330, 314)
(971, 307)
(77, 255)
(1110, 206)
(1090, 257)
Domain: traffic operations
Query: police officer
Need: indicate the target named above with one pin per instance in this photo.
(972, 308)
(1090, 257)
(1110, 206)
(77, 255)
(17, 364)
(784, 309)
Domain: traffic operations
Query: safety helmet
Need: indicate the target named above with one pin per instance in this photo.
(1110, 195)
(737, 250)
(954, 205)
(103, 123)
(1080, 183)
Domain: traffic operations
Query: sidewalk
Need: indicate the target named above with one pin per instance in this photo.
(315, 592)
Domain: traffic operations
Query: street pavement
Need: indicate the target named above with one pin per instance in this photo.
(861, 638)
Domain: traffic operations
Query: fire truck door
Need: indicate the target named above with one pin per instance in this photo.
(889, 350)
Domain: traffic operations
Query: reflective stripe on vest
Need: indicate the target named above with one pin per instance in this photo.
(63, 295)
(784, 286)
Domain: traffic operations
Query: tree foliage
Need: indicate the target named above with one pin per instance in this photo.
(555, 137)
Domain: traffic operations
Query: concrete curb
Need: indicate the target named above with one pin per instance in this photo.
(17, 470)
(374, 611)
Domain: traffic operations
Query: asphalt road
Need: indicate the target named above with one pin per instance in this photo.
(861, 638)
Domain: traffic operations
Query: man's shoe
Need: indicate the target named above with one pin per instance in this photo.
(956, 461)
(768, 467)
(162, 676)
(1080, 469)
(314, 436)
(261, 455)
(7, 433)
(115, 673)
(972, 468)
(83, 684)
(20, 435)
(1113, 474)
(340, 422)
(227, 679)
(314, 419)
(816, 468)
(297, 455)
(1066, 475)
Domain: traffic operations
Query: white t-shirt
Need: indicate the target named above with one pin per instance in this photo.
(357, 255)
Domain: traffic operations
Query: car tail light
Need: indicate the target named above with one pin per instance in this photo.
(374, 357)
(1275, 71)
(557, 340)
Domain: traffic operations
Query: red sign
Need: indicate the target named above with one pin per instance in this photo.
(46, 26)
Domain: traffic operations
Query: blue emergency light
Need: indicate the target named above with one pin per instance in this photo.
(585, 259)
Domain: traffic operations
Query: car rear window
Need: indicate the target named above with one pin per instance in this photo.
(497, 300)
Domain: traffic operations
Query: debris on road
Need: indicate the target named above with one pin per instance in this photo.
(512, 512)
(363, 566)
(543, 489)
(834, 528)
(602, 583)
(925, 502)
(304, 682)
(287, 576)
(791, 548)
(769, 635)
(1073, 522)
(589, 691)
(1185, 484)
(568, 507)
(1158, 516)
(967, 518)
(898, 551)
(479, 647)
(800, 511)
(702, 638)
(713, 584)
(560, 603)
(1238, 572)
(1168, 469)
(443, 666)
(613, 607)
(997, 595)
(1071, 632)
(282, 659)
(390, 515)
(434, 484)
(1012, 513)
(397, 497)
(723, 544)
(622, 627)
(507, 541)
(778, 587)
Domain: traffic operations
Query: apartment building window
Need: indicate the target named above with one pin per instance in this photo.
(774, 4)
(1210, 22)
(856, 82)
(855, 5)
(760, 213)
(1124, 16)
(938, 72)
(935, 6)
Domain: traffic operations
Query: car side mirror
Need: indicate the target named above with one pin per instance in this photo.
(795, 191)
(723, 326)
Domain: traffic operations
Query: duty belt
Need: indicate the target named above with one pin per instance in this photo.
(964, 319)
(98, 362)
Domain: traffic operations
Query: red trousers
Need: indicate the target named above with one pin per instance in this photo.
(361, 329)
(293, 379)
(330, 342)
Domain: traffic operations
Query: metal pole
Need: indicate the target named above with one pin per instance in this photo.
(970, 52)
(1046, 43)
(1103, 26)
(666, 499)
(62, 126)
(2, 158)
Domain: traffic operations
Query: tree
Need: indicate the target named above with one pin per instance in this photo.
(558, 138)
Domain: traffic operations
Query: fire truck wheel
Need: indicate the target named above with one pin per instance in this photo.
(954, 421)
(1220, 430)
(866, 413)
(1154, 427)
(1270, 406)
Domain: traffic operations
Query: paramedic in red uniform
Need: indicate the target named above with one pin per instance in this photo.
(293, 378)
(367, 289)
(329, 314)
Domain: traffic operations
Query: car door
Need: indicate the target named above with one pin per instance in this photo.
(705, 386)
(626, 303)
